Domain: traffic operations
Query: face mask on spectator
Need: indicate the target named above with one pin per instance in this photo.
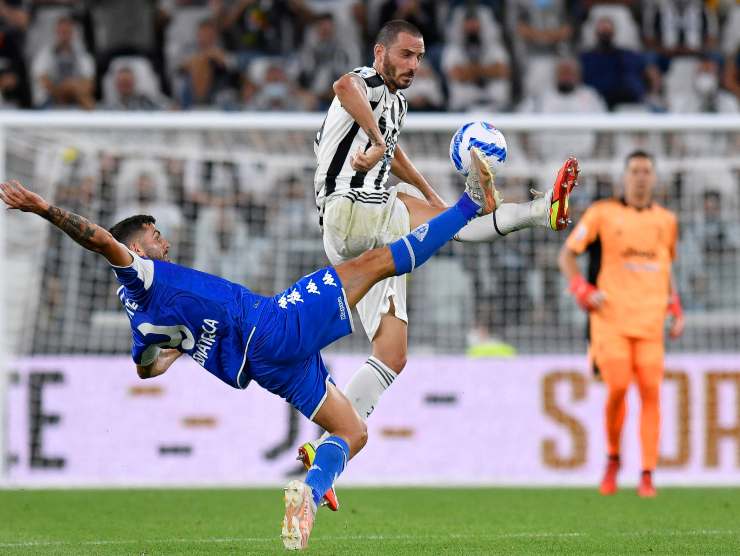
(566, 87)
(605, 40)
(706, 84)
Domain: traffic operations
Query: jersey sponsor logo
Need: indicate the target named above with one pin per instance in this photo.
(328, 279)
(581, 232)
(205, 342)
(311, 287)
(632, 252)
(421, 232)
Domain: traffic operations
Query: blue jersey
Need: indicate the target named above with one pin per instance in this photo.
(207, 317)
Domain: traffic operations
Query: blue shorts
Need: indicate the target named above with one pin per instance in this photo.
(284, 354)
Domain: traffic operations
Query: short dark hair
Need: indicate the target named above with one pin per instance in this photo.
(127, 228)
(639, 153)
(390, 31)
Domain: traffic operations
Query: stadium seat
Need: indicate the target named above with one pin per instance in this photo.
(540, 73)
(626, 31)
(680, 76)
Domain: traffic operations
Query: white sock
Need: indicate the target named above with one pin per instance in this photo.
(366, 386)
(509, 217)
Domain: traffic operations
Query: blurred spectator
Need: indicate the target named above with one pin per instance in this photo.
(706, 96)
(222, 247)
(324, 58)
(208, 72)
(63, 71)
(141, 188)
(476, 62)
(568, 96)
(278, 92)
(544, 27)
(619, 75)
(679, 28)
(123, 27)
(260, 27)
(426, 91)
(13, 76)
(127, 96)
(731, 74)
(423, 14)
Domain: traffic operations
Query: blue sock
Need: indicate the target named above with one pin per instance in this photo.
(331, 458)
(415, 249)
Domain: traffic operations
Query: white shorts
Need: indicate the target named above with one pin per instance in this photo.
(353, 223)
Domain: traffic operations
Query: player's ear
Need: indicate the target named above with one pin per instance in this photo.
(135, 246)
(379, 50)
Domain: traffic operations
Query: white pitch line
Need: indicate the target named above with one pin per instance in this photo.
(452, 536)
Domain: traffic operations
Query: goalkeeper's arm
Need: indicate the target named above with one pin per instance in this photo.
(89, 235)
(588, 296)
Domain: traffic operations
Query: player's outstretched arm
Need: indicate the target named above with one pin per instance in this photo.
(159, 366)
(404, 169)
(89, 235)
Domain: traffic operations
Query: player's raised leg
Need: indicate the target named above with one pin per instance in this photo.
(411, 251)
(549, 210)
(348, 435)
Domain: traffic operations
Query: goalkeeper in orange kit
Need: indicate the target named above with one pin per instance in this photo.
(628, 293)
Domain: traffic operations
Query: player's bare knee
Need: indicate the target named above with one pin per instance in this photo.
(396, 362)
(361, 438)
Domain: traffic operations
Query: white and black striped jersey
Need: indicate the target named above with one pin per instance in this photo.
(340, 137)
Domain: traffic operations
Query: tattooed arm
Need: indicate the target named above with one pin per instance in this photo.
(89, 235)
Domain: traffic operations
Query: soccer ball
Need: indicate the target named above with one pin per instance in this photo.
(483, 136)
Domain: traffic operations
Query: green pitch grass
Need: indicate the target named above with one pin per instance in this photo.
(373, 521)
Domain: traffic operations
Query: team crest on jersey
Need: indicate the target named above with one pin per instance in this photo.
(421, 232)
(328, 279)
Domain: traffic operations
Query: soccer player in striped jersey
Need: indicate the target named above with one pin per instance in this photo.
(357, 148)
(239, 336)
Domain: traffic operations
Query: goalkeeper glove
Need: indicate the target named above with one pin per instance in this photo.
(586, 295)
(674, 306)
(676, 313)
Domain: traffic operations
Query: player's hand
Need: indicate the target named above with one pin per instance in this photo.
(588, 296)
(675, 311)
(18, 197)
(365, 161)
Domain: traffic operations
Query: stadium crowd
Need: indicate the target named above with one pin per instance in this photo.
(504, 55)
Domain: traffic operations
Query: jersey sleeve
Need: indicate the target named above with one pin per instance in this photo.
(586, 232)
(673, 237)
(374, 84)
(143, 354)
(137, 278)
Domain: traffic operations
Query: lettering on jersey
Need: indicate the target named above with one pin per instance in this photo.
(632, 252)
(421, 232)
(342, 310)
(311, 287)
(205, 342)
(328, 279)
(129, 305)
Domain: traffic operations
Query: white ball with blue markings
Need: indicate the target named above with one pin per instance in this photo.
(483, 136)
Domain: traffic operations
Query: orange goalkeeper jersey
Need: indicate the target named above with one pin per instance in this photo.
(632, 250)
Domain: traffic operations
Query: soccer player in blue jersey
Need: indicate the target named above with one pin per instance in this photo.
(239, 336)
